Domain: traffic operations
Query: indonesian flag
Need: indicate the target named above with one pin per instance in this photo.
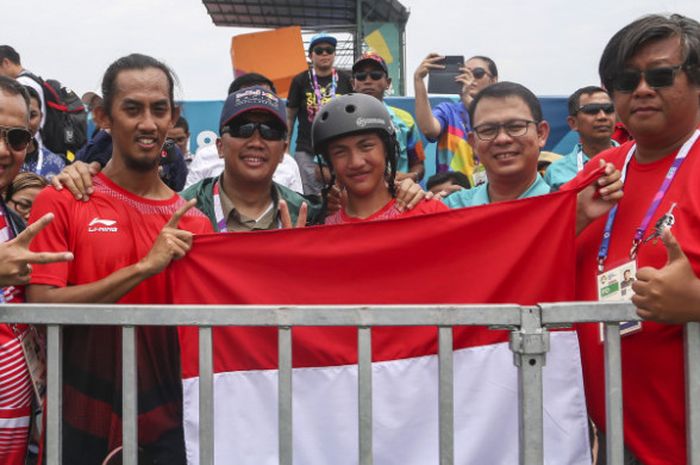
(512, 252)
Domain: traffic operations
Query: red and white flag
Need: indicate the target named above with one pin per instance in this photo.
(512, 252)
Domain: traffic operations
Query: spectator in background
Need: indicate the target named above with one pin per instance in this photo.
(370, 76)
(449, 123)
(11, 66)
(22, 192)
(180, 134)
(39, 159)
(309, 91)
(91, 100)
(592, 115)
(209, 164)
(447, 182)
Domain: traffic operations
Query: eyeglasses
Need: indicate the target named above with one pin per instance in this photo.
(322, 50)
(246, 130)
(628, 80)
(478, 73)
(178, 140)
(594, 108)
(374, 75)
(22, 206)
(16, 138)
(514, 128)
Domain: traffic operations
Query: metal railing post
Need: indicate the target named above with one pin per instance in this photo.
(364, 375)
(129, 397)
(446, 394)
(54, 401)
(692, 391)
(206, 396)
(284, 394)
(530, 345)
(614, 434)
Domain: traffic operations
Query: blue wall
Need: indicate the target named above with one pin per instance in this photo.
(203, 117)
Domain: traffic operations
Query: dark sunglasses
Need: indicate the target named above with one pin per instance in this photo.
(16, 138)
(628, 80)
(374, 75)
(322, 50)
(594, 108)
(246, 130)
(478, 73)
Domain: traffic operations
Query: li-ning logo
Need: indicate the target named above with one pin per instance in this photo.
(100, 225)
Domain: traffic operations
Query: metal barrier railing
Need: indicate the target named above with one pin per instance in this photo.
(529, 341)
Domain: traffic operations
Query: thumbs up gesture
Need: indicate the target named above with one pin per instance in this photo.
(672, 293)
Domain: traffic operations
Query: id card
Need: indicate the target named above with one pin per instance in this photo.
(35, 356)
(615, 285)
(479, 175)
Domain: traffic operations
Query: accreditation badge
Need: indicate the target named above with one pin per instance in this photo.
(479, 175)
(615, 285)
(35, 356)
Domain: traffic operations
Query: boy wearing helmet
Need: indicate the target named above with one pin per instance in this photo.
(357, 140)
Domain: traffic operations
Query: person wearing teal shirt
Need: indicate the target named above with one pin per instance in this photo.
(592, 115)
(509, 132)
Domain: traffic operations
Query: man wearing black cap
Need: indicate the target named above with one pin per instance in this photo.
(253, 141)
(309, 91)
(370, 76)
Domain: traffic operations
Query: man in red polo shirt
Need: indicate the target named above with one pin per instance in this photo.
(123, 238)
(651, 68)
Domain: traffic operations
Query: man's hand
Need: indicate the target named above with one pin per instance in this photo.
(599, 197)
(336, 199)
(671, 294)
(430, 62)
(286, 218)
(77, 177)
(16, 259)
(171, 244)
(408, 194)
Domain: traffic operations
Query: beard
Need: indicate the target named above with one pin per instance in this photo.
(142, 165)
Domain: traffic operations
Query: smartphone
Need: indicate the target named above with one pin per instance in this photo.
(442, 81)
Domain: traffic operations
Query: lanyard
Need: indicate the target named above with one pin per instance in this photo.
(579, 159)
(656, 201)
(317, 92)
(219, 210)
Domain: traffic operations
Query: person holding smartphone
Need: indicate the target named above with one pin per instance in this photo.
(448, 123)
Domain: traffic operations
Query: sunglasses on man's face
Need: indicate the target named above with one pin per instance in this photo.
(245, 130)
(322, 50)
(629, 79)
(478, 73)
(363, 75)
(594, 108)
(16, 138)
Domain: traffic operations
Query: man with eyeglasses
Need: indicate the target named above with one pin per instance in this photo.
(253, 141)
(15, 270)
(508, 133)
(370, 76)
(448, 123)
(309, 91)
(651, 67)
(592, 115)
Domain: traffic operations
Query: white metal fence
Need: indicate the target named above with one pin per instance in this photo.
(529, 342)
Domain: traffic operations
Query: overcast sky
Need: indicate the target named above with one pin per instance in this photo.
(551, 46)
